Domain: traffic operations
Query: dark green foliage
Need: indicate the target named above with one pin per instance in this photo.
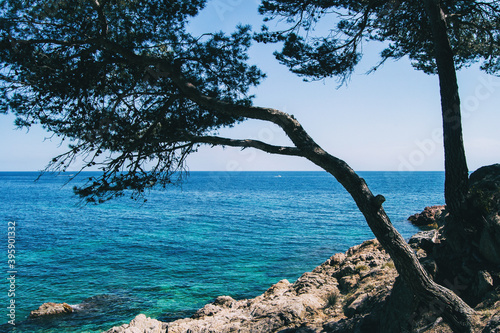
(92, 72)
(325, 38)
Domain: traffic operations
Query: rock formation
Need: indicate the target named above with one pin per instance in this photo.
(433, 216)
(484, 203)
(356, 291)
(141, 324)
(51, 309)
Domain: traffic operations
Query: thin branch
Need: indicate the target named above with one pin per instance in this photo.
(53, 41)
(248, 143)
(102, 18)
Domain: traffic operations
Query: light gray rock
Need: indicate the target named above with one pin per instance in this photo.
(51, 309)
(337, 259)
(141, 324)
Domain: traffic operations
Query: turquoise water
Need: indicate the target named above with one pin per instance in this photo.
(219, 234)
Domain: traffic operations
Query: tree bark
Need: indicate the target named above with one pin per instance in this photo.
(456, 171)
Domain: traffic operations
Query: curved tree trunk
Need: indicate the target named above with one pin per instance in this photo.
(457, 313)
(455, 310)
(456, 180)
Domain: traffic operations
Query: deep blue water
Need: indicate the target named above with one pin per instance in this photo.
(219, 234)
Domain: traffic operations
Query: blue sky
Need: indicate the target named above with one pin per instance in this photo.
(389, 120)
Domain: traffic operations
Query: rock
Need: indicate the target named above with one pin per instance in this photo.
(348, 269)
(337, 259)
(424, 240)
(433, 216)
(483, 284)
(51, 309)
(489, 242)
(493, 325)
(141, 324)
(348, 282)
(340, 326)
(227, 301)
(488, 178)
(356, 306)
(483, 200)
(220, 303)
(278, 289)
(375, 263)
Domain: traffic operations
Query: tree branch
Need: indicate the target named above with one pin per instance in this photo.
(248, 143)
(102, 18)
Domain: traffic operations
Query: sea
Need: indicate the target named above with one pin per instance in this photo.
(219, 233)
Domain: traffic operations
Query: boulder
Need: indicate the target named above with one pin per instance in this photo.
(489, 243)
(425, 240)
(493, 325)
(51, 309)
(337, 259)
(482, 284)
(484, 203)
(348, 282)
(141, 324)
(356, 306)
(433, 216)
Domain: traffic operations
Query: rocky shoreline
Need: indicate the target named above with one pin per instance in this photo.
(359, 291)
(335, 291)
(355, 291)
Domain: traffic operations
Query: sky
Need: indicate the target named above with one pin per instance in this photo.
(389, 120)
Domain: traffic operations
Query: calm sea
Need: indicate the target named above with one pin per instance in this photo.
(219, 234)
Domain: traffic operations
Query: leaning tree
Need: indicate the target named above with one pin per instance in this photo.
(135, 93)
(438, 36)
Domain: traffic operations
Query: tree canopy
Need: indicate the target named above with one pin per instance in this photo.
(104, 75)
(97, 74)
(403, 26)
